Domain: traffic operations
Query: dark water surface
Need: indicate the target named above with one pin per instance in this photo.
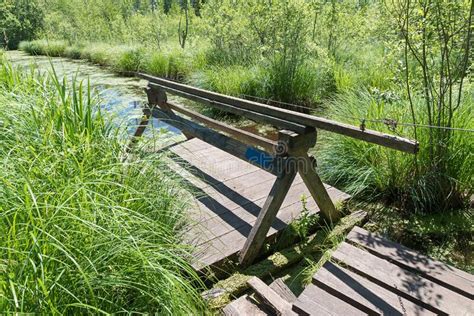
(121, 97)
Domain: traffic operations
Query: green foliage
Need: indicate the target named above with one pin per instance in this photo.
(374, 172)
(19, 20)
(308, 53)
(44, 47)
(83, 232)
(130, 60)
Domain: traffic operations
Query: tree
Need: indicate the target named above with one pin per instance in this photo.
(183, 33)
(436, 36)
(19, 20)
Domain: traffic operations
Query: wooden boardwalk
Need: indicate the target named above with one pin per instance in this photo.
(229, 194)
(369, 274)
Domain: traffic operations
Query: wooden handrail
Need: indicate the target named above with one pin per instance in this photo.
(252, 115)
(291, 117)
(241, 135)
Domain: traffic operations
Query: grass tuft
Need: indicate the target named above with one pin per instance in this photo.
(83, 232)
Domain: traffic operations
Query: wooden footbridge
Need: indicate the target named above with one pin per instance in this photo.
(250, 186)
(366, 275)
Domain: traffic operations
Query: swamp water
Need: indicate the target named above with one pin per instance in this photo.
(122, 98)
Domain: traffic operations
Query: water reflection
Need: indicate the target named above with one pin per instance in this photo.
(122, 98)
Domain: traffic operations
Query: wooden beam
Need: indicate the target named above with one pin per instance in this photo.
(158, 97)
(386, 140)
(270, 297)
(252, 115)
(267, 215)
(234, 147)
(241, 135)
(140, 129)
(297, 146)
(307, 171)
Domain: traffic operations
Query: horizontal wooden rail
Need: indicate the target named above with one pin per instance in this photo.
(241, 135)
(270, 112)
(301, 129)
(234, 147)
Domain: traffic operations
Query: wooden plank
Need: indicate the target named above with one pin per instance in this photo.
(371, 136)
(241, 135)
(436, 271)
(307, 306)
(248, 113)
(229, 244)
(282, 290)
(222, 224)
(269, 297)
(363, 294)
(243, 306)
(266, 217)
(214, 172)
(424, 292)
(308, 172)
(252, 155)
(314, 300)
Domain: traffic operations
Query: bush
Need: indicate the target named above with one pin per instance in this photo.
(44, 47)
(19, 20)
(131, 59)
(73, 52)
(83, 232)
(101, 54)
(157, 64)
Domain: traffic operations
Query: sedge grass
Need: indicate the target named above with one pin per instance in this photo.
(82, 232)
(374, 173)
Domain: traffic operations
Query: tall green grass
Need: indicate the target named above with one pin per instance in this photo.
(81, 231)
(374, 173)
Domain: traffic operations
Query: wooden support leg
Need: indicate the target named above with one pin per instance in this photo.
(157, 96)
(266, 216)
(316, 187)
(140, 129)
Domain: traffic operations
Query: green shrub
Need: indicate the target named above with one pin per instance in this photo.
(83, 232)
(157, 64)
(44, 47)
(74, 51)
(102, 54)
(131, 59)
(231, 80)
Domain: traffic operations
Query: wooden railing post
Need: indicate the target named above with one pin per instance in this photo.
(267, 214)
(157, 96)
(298, 146)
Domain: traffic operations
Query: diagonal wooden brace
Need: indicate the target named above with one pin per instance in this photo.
(307, 171)
(267, 214)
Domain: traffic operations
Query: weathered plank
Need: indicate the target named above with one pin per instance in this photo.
(241, 218)
(436, 271)
(364, 294)
(315, 301)
(226, 245)
(375, 137)
(241, 135)
(424, 292)
(248, 113)
(269, 297)
(317, 189)
(243, 306)
(307, 306)
(281, 289)
(257, 235)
